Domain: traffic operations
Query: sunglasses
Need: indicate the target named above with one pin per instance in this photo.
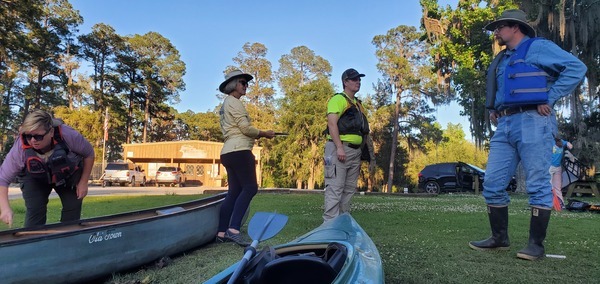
(243, 83)
(357, 79)
(37, 137)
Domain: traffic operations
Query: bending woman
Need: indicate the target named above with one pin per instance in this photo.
(47, 155)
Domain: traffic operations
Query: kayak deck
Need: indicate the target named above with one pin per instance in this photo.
(339, 245)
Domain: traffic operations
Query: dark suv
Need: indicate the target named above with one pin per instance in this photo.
(456, 176)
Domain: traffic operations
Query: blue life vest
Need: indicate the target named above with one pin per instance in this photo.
(524, 84)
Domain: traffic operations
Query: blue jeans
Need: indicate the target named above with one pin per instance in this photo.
(525, 137)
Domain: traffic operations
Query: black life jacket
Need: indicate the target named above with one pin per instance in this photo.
(60, 166)
(353, 119)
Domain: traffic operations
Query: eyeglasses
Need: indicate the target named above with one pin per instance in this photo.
(499, 27)
(37, 137)
(243, 83)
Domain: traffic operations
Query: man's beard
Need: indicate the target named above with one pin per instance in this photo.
(501, 41)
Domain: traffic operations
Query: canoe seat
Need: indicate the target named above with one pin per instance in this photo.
(170, 210)
(294, 269)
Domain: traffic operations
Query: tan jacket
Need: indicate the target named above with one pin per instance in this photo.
(236, 126)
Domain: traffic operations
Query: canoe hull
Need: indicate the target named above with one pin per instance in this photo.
(90, 253)
(362, 264)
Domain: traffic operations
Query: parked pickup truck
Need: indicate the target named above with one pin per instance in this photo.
(123, 173)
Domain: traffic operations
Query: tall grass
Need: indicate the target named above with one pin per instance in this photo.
(420, 239)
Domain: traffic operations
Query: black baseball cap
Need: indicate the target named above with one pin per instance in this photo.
(351, 74)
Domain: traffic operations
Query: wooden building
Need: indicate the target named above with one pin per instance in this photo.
(199, 159)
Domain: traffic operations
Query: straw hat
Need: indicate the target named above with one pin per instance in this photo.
(234, 75)
(515, 16)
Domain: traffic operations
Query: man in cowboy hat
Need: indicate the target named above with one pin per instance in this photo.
(524, 82)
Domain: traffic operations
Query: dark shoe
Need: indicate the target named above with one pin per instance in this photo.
(537, 233)
(220, 240)
(499, 223)
(236, 238)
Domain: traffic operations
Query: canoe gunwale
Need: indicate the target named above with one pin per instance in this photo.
(98, 251)
(22, 236)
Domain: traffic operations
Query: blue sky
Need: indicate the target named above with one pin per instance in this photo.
(208, 34)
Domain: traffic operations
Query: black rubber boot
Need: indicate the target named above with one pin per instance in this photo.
(537, 233)
(499, 224)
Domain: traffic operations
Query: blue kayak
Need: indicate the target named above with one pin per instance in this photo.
(338, 251)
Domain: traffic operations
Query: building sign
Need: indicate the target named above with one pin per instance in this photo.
(189, 151)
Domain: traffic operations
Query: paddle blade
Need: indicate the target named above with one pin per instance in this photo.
(265, 225)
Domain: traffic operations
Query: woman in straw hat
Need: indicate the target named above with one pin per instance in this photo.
(237, 157)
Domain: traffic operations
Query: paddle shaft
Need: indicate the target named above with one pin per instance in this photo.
(248, 254)
(238, 271)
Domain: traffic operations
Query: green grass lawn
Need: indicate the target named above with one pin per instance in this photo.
(420, 239)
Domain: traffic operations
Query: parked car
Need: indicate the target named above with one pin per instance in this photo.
(455, 176)
(172, 176)
(123, 173)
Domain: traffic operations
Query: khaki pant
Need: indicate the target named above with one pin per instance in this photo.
(340, 180)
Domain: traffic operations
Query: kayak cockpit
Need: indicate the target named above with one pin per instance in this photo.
(314, 263)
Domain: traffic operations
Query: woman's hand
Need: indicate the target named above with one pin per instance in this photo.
(6, 215)
(267, 134)
(82, 189)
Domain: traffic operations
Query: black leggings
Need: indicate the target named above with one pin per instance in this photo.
(36, 193)
(241, 176)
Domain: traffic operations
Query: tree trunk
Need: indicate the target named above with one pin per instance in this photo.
(311, 176)
(37, 101)
(129, 119)
(394, 142)
(146, 116)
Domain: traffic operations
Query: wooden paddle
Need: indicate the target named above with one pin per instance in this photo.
(263, 226)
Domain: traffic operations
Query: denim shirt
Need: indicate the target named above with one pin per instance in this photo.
(558, 63)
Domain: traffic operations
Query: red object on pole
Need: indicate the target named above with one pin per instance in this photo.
(106, 125)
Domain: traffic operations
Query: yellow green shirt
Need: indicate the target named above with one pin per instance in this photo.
(337, 104)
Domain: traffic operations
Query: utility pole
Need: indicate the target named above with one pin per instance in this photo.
(105, 138)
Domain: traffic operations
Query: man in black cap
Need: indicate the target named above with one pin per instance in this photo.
(347, 130)
(523, 84)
